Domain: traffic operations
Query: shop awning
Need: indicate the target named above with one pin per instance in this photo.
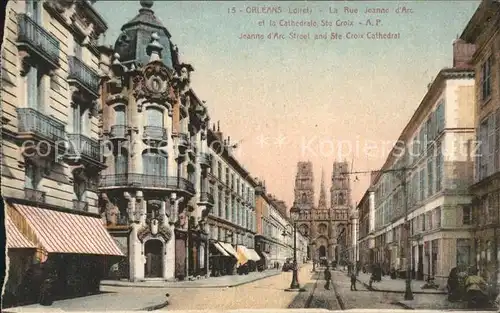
(218, 246)
(253, 254)
(15, 239)
(61, 232)
(229, 249)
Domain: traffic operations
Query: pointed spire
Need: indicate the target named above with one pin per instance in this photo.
(322, 192)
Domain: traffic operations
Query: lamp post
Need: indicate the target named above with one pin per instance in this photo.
(294, 286)
(402, 177)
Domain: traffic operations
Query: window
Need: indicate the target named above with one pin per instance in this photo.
(34, 10)
(463, 252)
(466, 215)
(439, 167)
(120, 117)
(483, 149)
(121, 163)
(77, 50)
(440, 117)
(219, 170)
(497, 141)
(154, 117)
(154, 164)
(35, 90)
(430, 176)
(219, 207)
(422, 219)
(437, 217)
(422, 184)
(486, 79)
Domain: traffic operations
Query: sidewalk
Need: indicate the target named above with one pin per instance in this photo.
(211, 282)
(397, 285)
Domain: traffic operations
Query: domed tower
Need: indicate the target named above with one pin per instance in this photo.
(156, 152)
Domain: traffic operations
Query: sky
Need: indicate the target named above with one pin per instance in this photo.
(290, 100)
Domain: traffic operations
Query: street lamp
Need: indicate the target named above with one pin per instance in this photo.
(294, 286)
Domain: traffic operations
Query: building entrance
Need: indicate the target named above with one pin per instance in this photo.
(154, 261)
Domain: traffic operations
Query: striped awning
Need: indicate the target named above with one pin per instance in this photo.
(243, 256)
(61, 232)
(16, 240)
(229, 248)
(253, 254)
(218, 246)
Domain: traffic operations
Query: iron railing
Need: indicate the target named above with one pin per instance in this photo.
(83, 74)
(147, 181)
(206, 197)
(34, 195)
(33, 121)
(38, 39)
(80, 206)
(155, 133)
(118, 131)
(83, 145)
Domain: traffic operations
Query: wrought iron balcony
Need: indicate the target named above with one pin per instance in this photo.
(80, 206)
(36, 40)
(82, 75)
(155, 133)
(81, 146)
(205, 160)
(206, 197)
(34, 123)
(118, 132)
(34, 195)
(147, 181)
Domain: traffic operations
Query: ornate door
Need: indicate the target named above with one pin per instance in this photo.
(154, 260)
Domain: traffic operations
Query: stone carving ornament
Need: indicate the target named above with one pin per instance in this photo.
(156, 80)
(111, 211)
(155, 229)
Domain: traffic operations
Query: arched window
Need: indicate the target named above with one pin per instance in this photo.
(120, 116)
(121, 163)
(154, 164)
(154, 117)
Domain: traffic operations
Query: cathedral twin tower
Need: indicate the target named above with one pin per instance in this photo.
(324, 225)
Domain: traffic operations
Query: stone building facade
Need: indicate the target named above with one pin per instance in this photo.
(324, 224)
(154, 129)
(482, 32)
(425, 179)
(232, 221)
(50, 151)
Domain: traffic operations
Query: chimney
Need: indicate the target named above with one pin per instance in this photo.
(462, 54)
(218, 133)
(228, 140)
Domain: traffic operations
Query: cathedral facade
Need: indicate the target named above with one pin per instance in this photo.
(324, 224)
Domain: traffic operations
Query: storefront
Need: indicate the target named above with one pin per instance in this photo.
(71, 256)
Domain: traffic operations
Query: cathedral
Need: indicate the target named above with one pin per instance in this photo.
(325, 224)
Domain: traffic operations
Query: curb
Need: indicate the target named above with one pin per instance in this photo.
(402, 291)
(173, 286)
(155, 307)
(403, 305)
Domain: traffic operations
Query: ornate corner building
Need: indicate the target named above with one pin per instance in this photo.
(324, 226)
(154, 133)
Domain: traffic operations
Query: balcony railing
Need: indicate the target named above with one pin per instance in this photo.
(147, 181)
(83, 75)
(32, 121)
(207, 197)
(205, 159)
(155, 133)
(38, 40)
(80, 145)
(80, 206)
(118, 132)
(34, 195)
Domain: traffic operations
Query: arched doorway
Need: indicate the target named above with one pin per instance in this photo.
(322, 251)
(154, 262)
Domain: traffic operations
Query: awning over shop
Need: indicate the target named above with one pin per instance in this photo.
(253, 255)
(229, 249)
(218, 246)
(61, 232)
(15, 239)
(243, 255)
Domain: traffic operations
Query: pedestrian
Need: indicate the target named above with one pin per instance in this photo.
(353, 281)
(328, 277)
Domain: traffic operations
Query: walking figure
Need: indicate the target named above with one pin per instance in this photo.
(353, 281)
(328, 277)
